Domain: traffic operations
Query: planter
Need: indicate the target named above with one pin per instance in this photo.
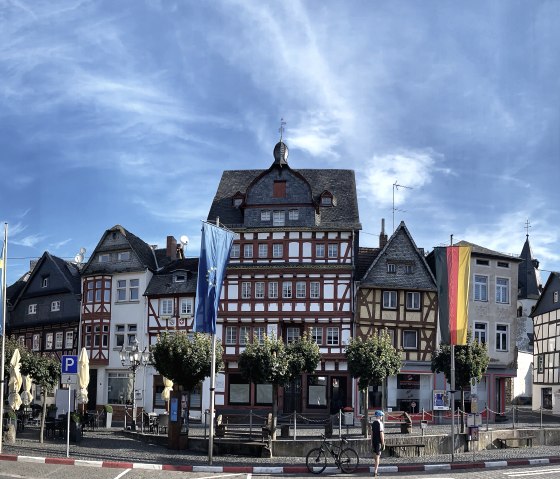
(75, 432)
(108, 419)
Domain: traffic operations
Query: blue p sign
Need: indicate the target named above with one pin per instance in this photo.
(69, 364)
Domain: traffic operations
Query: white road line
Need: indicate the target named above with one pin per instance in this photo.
(233, 474)
(126, 471)
(531, 472)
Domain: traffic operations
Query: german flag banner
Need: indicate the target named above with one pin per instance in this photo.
(452, 277)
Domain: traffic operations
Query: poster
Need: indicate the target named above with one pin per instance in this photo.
(441, 400)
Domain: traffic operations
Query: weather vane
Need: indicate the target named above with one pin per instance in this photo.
(396, 186)
(281, 129)
(527, 226)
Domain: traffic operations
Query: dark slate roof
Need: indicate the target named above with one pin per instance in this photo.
(400, 248)
(143, 250)
(546, 302)
(162, 282)
(71, 271)
(341, 183)
(477, 250)
(364, 260)
(529, 280)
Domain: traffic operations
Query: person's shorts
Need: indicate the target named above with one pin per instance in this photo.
(376, 449)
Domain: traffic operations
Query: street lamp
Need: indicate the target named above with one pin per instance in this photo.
(133, 359)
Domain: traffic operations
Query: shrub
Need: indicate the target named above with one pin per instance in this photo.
(108, 408)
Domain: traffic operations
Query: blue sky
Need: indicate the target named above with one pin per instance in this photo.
(127, 112)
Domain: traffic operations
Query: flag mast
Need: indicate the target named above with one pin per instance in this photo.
(452, 385)
(4, 305)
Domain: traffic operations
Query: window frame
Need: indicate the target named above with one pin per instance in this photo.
(259, 290)
(263, 250)
(277, 250)
(166, 307)
(502, 336)
(32, 308)
(293, 214)
(301, 290)
(481, 288)
(315, 290)
(287, 290)
(235, 251)
(413, 301)
(332, 338)
(319, 250)
(248, 250)
(478, 331)
(279, 218)
(272, 290)
(388, 296)
(404, 334)
(246, 290)
(332, 251)
(265, 215)
(502, 290)
(391, 268)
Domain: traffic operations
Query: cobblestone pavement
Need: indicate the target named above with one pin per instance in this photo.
(114, 445)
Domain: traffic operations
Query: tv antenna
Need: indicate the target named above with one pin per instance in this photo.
(527, 226)
(396, 186)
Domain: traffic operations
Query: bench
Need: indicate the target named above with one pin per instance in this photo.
(515, 441)
(394, 449)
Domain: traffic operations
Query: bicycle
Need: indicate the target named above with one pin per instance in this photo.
(345, 458)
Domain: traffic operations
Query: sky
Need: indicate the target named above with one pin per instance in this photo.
(128, 112)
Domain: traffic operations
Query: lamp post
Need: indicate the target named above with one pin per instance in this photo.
(133, 359)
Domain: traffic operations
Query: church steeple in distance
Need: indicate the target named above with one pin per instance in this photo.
(529, 280)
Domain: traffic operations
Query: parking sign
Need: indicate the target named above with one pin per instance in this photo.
(69, 365)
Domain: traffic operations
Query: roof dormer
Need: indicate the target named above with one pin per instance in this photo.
(327, 199)
(237, 199)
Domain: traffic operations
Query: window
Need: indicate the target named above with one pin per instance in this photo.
(97, 291)
(503, 264)
(412, 300)
(248, 251)
(32, 309)
(332, 336)
(132, 328)
(390, 299)
(123, 256)
(69, 340)
(287, 289)
(244, 335)
(316, 333)
(58, 340)
(540, 363)
(301, 290)
(245, 290)
(555, 297)
(263, 394)
(104, 258)
(265, 215)
(134, 289)
(49, 341)
(391, 268)
(409, 268)
(317, 391)
(234, 250)
(239, 389)
(502, 290)
(326, 201)
(118, 388)
(121, 290)
(501, 337)
(259, 290)
(273, 290)
(278, 218)
(263, 250)
(314, 290)
(279, 189)
(166, 307)
(319, 250)
(292, 334)
(21, 341)
(480, 332)
(333, 250)
(258, 334)
(410, 339)
(119, 335)
(480, 287)
(179, 278)
(483, 262)
(231, 335)
(186, 307)
(45, 282)
(36, 342)
(293, 215)
(277, 250)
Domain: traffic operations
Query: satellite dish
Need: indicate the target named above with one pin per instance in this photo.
(184, 240)
(82, 251)
(79, 258)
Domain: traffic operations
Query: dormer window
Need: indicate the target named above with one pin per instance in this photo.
(104, 258)
(44, 282)
(555, 297)
(265, 215)
(180, 278)
(391, 268)
(123, 256)
(293, 215)
(327, 199)
(237, 200)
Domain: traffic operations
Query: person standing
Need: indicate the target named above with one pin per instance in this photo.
(377, 439)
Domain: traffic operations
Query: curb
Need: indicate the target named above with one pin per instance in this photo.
(278, 469)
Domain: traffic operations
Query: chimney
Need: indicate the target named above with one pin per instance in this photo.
(382, 235)
(171, 250)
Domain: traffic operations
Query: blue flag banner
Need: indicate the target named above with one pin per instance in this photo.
(215, 247)
(2, 300)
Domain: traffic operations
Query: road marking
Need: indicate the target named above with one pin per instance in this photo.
(235, 474)
(530, 472)
(123, 473)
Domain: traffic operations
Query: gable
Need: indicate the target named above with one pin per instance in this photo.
(546, 302)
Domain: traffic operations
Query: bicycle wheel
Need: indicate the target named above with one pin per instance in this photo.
(349, 460)
(316, 460)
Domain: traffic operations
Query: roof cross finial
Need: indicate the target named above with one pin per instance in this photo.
(527, 226)
(281, 129)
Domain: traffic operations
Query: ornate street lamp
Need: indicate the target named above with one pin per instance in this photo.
(133, 359)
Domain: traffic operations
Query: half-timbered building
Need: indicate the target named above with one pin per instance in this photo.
(290, 273)
(44, 309)
(396, 290)
(546, 362)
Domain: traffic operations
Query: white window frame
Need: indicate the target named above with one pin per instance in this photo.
(265, 215)
(389, 300)
(104, 258)
(246, 290)
(279, 218)
(36, 346)
(235, 251)
(320, 250)
(333, 250)
(186, 306)
(555, 297)
(49, 340)
(287, 289)
(502, 337)
(333, 336)
(133, 289)
(248, 250)
(409, 268)
(258, 334)
(391, 268)
(245, 335)
(55, 305)
(292, 334)
(273, 290)
(131, 333)
(413, 300)
(480, 329)
(301, 290)
(45, 282)
(293, 214)
(263, 250)
(410, 332)
(58, 340)
(481, 287)
(32, 309)
(502, 290)
(259, 290)
(123, 256)
(69, 339)
(315, 290)
(277, 250)
(231, 336)
(316, 334)
(179, 278)
(166, 307)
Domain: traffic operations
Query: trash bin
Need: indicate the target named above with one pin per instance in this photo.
(348, 416)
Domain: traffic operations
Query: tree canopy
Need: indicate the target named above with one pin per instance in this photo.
(185, 358)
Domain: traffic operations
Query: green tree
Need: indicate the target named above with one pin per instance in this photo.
(45, 373)
(275, 363)
(471, 361)
(185, 359)
(372, 360)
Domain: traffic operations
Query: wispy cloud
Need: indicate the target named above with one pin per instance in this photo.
(30, 241)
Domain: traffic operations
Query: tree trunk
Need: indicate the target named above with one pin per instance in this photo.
(462, 410)
(274, 411)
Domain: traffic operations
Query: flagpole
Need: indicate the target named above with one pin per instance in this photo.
(4, 304)
(452, 384)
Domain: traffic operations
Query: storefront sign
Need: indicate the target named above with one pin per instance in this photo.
(441, 400)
